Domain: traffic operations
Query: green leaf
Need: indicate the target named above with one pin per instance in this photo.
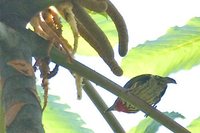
(177, 49)
(194, 126)
(58, 119)
(104, 23)
(149, 125)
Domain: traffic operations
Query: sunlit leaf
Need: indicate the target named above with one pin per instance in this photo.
(104, 23)
(194, 126)
(57, 118)
(177, 49)
(148, 125)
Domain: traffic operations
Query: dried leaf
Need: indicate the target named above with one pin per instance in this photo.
(37, 28)
(60, 41)
(65, 9)
(12, 112)
(22, 66)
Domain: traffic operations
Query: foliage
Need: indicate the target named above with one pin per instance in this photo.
(194, 126)
(149, 125)
(59, 117)
(177, 49)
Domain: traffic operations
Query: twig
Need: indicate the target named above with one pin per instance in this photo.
(101, 106)
(114, 88)
(39, 47)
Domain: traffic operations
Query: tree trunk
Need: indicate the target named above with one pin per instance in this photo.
(20, 102)
(22, 108)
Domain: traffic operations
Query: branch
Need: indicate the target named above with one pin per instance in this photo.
(101, 106)
(114, 88)
(17, 13)
(60, 58)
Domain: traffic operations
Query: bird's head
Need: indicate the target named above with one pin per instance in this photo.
(164, 80)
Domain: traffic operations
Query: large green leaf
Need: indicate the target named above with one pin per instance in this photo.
(194, 127)
(58, 119)
(105, 23)
(178, 49)
(149, 125)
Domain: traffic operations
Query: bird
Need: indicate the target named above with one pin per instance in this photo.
(147, 87)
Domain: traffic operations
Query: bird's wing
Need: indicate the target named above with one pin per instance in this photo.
(139, 80)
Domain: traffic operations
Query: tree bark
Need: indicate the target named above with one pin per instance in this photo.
(22, 108)
(20, 102)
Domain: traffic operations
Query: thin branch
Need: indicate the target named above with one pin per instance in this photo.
(101, 106)
(59, 58)
(114, 88)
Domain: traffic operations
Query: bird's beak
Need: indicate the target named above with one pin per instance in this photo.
(170, 80)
